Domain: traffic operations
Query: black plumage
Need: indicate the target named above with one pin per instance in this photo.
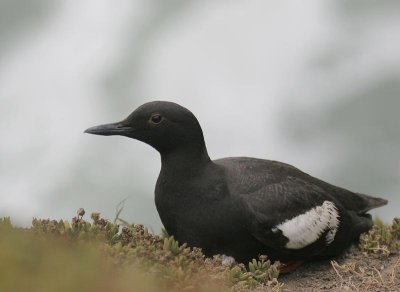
(238, 206)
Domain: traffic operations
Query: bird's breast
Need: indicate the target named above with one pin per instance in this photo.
(197, 215)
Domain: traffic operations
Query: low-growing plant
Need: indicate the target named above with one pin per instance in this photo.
(259, 272)
(106, 249)
(106, 256)
(382, 238)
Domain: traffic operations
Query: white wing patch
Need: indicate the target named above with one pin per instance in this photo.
(306, 228)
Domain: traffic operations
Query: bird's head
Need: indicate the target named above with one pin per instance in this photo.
(166, 126)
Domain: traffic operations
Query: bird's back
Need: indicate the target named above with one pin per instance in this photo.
(247, 176)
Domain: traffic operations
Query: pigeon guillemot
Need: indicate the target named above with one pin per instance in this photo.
(238, 206)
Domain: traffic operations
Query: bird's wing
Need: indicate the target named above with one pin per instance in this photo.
(292, 215)
(284, 207)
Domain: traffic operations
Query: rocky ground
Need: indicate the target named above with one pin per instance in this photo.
(354, 271)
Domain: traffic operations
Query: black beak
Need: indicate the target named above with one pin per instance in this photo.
(110, 129)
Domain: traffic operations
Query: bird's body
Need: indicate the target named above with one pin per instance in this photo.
(238, 206)
(231, 206)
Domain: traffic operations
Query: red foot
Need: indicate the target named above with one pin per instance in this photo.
(289, 266)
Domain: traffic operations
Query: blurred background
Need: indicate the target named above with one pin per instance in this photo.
(315, 84)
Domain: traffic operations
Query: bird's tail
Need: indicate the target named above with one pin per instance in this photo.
(371, 203)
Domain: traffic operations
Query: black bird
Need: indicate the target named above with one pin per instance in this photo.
(238, 206)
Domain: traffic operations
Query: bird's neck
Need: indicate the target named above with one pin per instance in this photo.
(185, 161)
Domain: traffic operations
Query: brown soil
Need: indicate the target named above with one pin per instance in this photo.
(355, 271)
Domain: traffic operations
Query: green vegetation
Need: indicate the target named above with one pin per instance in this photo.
(382, 238)
(104, 256)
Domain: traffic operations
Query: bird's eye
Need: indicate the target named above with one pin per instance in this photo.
(156, 118)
